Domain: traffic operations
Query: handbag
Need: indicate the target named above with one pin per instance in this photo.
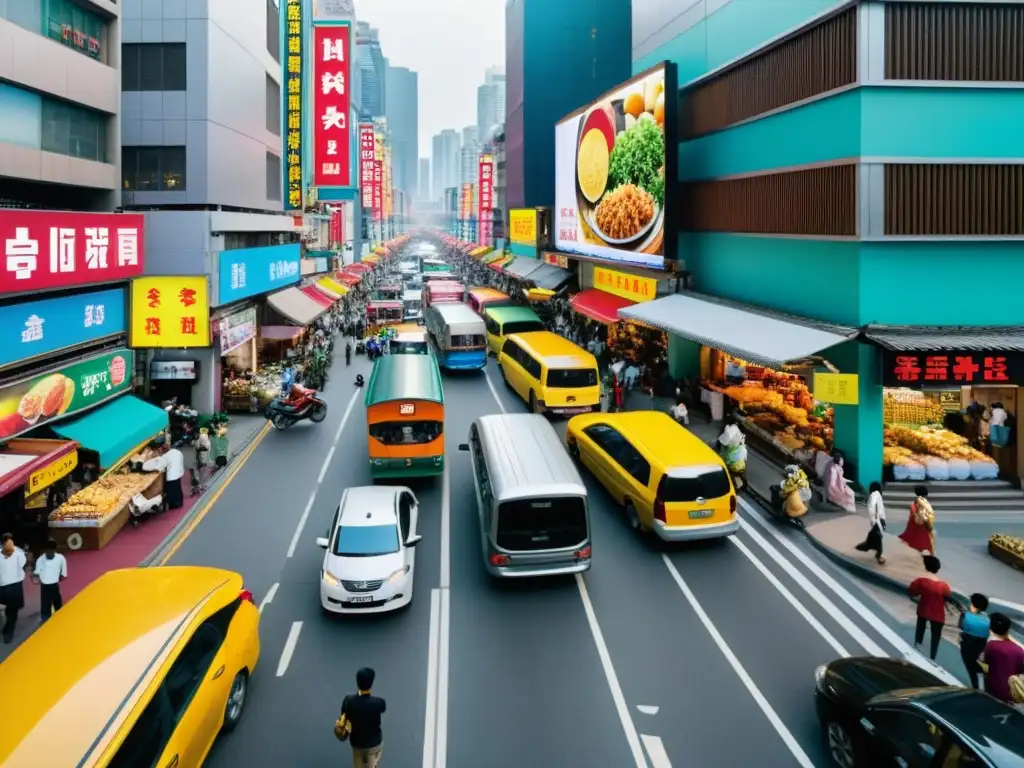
(343, 726)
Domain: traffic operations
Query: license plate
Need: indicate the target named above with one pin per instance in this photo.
(700, 514)
(362, 599)
(570, 411)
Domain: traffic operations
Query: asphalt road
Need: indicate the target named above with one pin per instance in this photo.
(699, 655)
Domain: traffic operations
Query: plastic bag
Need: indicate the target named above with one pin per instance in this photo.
(936, 469)
(910, 471)
(984, 470)
(959, 469)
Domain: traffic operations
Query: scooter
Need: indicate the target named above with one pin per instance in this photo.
(790, 498)
(300, 404)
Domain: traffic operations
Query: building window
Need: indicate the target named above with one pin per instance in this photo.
(153, 67)
(274, 29)
(274, 188)
(27, 14)
(74, 131)
(75, 27)
(153, 169)
(273, 106)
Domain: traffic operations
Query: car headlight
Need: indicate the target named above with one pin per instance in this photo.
(329, 578)
(398, 575)
(819, 677)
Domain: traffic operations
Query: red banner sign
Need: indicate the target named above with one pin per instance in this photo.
(485, 204)
(951, 368)
(367, 154)
(44, 250)
(336, 228)
(331, 103)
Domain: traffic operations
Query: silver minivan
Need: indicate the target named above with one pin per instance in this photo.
(531, 500)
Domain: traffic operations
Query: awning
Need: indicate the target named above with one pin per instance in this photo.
(370, 258)
(551, 277)
(599, 305)
(538, 294)
(495, 257)
(523, 267)
(332, 285)
(358, 269)
(347, 278)
(940, 338)
(757, 335)
(19, 467)
(500, 264)
(116, 429)
(279, 332)
(296, 306)
(317, 296)
(325, 291)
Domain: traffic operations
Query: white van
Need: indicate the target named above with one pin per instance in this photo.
(531, 500)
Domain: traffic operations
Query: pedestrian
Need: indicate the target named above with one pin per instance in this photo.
(12, 584)
(931, 593)
(51, 569)
(1002, 659)
(617, 392)
(920, 530)
(172, 463)
(876, 519)
(680, 413)
(361, 713)
(974, 629)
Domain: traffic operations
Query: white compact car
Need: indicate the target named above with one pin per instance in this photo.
(371, 551)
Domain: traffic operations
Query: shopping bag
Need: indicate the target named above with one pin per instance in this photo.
(342, 726)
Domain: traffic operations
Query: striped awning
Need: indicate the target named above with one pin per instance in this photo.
(327, 284)
(371, 258)
(938, 338)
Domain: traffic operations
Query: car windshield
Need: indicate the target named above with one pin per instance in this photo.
(572, 378)
(532, 524)
(707, 485)
(522, 326)
(366, 540)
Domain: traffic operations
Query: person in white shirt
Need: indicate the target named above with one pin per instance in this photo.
(876, 519)
(51, 569)
(680, 414)
(12, 584)
(172, 464)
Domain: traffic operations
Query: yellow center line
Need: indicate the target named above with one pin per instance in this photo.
(239, 463)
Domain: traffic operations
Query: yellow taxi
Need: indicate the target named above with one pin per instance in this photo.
(144, 667)
(669, 481)
(550, 373)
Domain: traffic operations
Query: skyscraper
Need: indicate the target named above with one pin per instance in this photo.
(423, 188)
(445, 162)
(490, 104)
(469, 155)
(402, 109)
(372, 69)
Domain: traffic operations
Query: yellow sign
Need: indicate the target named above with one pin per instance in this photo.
(51, 473)
(293, 104)
(638, 289)
(169, 312)
(522, 226)
(836, 388)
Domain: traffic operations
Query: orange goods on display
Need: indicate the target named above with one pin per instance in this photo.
(624, 212)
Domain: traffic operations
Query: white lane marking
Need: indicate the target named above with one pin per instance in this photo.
(494, 392)
(269, 597)
(859, 636)
(613, 681)
(430, 718)
(647, 709)
(446, 516)
(780, 727)
(656, 751)
(790, 598)
(323, 473)
(883, 629)
(289, 648)
(441, 750)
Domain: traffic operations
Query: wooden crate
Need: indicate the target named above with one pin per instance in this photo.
(1004, 555)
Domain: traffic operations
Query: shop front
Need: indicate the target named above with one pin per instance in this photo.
(34, 478)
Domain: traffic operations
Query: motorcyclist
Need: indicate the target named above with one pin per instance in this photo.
(733, 449)
(795, 492)
(348, 353)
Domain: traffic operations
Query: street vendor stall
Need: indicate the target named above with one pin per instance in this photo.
(380, 314)
(388, 292)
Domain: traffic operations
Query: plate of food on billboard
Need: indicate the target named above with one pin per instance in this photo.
(610, 161)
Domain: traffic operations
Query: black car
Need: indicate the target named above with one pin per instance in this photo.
(882, 712)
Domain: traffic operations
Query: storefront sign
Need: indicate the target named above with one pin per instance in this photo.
(179, 370)
(366, 158)
(386, 192)
(557, 259)
(293, 104)
(336, 227)
(44, 250)
(951, 367)
(35, 328)
(378, 176)
(307, 267)
(74, 388)
(169, 311)
(522, 226)
(485, 181)
(51, 473)
(246, 272)
(234, 330)
(331, 104)
(630, 287)
(952, 400)
(836, 388)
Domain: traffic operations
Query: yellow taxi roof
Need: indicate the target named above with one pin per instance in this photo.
(76, 676)
(662, 436)
(548, 345)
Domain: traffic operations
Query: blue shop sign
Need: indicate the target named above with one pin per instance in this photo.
(35, 328)
(246, 272)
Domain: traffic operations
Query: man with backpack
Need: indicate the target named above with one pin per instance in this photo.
(359, 722)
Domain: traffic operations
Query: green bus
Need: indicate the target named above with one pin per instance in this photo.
(405, 417)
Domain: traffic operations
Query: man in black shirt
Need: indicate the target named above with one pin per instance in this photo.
(364, 711)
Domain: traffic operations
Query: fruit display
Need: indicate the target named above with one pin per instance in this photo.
(934, 453)
(237, 387)
(907, 406)
(95, 504)
(1009, 549)
(781, 405)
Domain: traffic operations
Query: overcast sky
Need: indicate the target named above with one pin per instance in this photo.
(449, 43)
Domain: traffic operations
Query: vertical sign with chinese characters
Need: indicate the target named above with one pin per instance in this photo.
(378, 181)
(367, 155)
(485, 184)
(336, 228)
(331, 103)
(169, 312)
(293, 105)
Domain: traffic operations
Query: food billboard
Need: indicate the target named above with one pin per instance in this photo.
(611, 198)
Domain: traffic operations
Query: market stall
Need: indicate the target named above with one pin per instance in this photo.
(34, 476)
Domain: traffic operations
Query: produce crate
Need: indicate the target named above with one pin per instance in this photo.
(96, 537)
(1004, 555)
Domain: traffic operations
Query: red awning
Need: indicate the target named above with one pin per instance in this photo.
(37, 455)
(317, 296)
(599, 305)
(384, 305)
(347, 278)
(359, 268)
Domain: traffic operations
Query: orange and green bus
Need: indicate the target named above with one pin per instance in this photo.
(405, 417)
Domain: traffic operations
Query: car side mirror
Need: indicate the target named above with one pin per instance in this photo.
(463, 446)
(322, 542)
(412, 541)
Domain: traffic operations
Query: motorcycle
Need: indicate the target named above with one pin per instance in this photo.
(301, 404)
(789, 499)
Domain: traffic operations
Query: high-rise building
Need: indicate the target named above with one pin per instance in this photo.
(490, 104)
(469, 155)
(593, 44)
(444, 162)
(423, 187)
(402, 108)
(372, 70)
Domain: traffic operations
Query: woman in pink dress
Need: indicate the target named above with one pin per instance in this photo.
(920, 532)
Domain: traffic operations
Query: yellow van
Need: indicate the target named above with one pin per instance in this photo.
(501, 321)
(144, 667)
(550, 373)
(670, 481)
